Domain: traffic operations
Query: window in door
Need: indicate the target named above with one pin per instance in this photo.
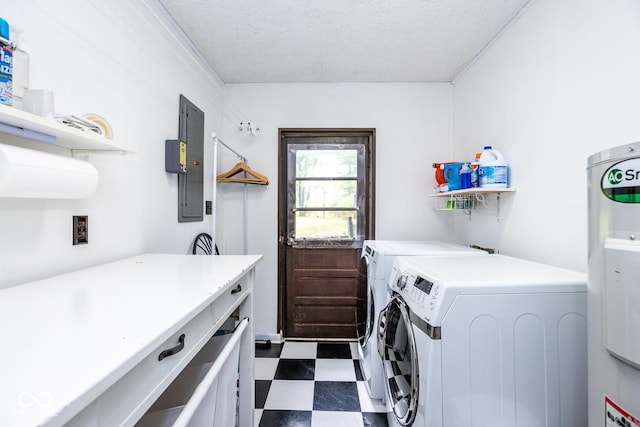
(326, 195)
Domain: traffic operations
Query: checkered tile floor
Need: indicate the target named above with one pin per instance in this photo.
(313, 384)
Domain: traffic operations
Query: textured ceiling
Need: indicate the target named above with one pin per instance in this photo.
(251, 41)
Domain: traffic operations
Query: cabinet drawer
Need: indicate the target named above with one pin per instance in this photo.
(125, 401)
(205, 392)
(182, 388)
(226, 303)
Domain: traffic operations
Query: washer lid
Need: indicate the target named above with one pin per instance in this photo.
(495, 274)
(433, 283)
(417, 247)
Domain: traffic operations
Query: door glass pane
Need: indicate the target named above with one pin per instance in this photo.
(327, 163)
(334, 225)
(326, 194)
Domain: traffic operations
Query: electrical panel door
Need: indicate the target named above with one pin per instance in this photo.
(190, 184)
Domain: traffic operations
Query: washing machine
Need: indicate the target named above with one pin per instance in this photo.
(484, 341)
(376, 263)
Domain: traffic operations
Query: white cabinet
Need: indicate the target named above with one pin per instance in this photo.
(88, 344)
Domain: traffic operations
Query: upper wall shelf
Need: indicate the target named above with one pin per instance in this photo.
(468, 199)
(65, 136)
(471, 191)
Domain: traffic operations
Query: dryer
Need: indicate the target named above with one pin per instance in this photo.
(484, 341)
(377, 257)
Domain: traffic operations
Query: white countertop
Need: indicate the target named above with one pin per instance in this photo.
(66, 339)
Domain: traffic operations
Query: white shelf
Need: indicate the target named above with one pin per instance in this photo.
(468, 200)
(66, 136)
(472, 191)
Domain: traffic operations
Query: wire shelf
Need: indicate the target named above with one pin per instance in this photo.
(455, 202)
(468, 200)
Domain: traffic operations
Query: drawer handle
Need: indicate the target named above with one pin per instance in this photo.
(237, 289)
(174, 350)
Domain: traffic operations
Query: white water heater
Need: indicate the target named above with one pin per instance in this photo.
(614, 287)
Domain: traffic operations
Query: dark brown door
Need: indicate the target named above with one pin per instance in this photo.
(326, 200)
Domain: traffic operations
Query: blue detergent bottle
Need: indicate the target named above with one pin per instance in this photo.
(465, 176)
(6, 64)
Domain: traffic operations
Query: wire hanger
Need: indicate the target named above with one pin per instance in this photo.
(253, 178)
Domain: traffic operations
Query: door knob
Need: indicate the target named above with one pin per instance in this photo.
(286, 240)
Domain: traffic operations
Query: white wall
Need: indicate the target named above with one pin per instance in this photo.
(120, 59)
(559, 85)
(413, 130)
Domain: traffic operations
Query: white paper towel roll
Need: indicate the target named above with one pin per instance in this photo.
(35, 174)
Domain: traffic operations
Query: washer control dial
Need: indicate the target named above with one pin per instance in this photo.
(402, 282)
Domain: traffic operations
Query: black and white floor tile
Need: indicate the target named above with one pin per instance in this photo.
(313, 384)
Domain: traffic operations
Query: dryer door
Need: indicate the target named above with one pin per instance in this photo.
(397, 348)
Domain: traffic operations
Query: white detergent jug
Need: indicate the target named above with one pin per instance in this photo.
(493, 169)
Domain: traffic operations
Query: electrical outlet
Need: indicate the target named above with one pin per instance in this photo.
(207, 207)
(80, 230)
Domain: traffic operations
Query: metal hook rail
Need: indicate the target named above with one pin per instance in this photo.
(240, 156)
